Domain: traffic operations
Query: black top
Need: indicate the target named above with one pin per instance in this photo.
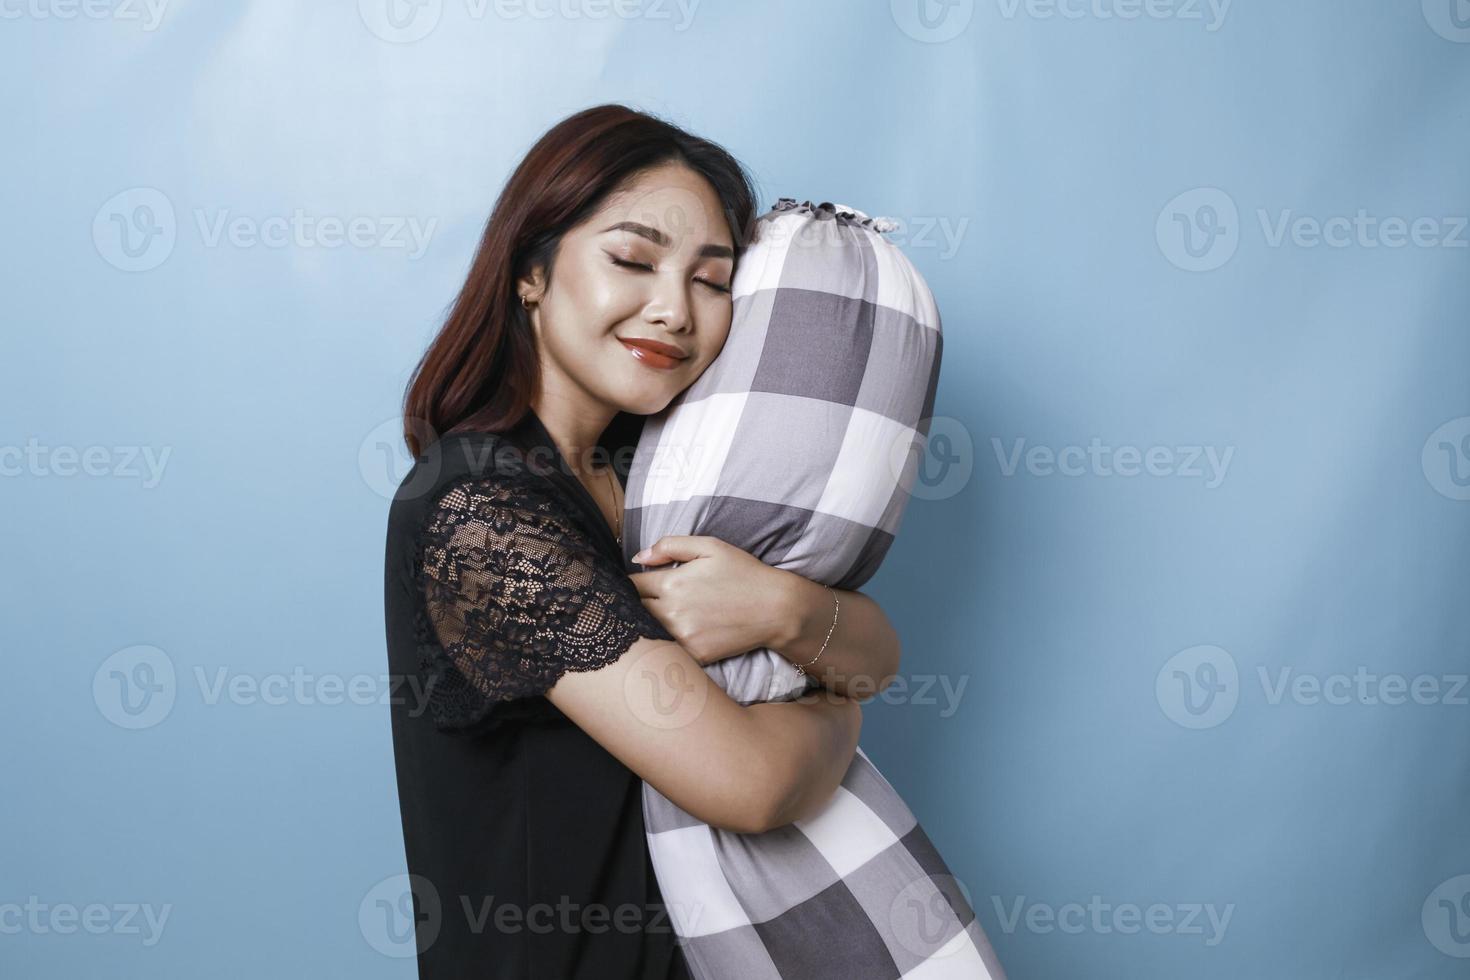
(524, 837)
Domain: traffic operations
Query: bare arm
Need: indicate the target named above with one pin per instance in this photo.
(523, 603)
(745, 769)
(718, 601)
(862, 656)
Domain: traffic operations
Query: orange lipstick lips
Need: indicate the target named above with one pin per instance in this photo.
(653, 353)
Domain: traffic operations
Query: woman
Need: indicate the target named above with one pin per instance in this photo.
(537, 685)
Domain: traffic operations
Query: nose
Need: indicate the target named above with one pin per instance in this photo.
(669, 305)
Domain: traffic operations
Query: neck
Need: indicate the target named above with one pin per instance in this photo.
(575, 427)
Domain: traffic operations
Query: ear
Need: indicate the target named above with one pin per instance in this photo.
(532, 286)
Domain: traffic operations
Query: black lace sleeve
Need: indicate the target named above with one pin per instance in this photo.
(516, 594)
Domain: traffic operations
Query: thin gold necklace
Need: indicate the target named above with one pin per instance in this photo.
(616, 509)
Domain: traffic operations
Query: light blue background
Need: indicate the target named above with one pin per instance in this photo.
(1054, 149)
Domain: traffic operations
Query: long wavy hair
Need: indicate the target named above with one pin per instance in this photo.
(482, 370)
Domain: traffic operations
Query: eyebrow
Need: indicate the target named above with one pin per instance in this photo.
(662, 240)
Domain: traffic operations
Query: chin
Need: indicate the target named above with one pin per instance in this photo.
(645, 402)
(644, 392)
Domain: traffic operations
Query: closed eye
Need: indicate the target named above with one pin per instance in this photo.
(648, 268)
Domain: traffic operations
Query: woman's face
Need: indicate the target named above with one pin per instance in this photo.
(638, 303)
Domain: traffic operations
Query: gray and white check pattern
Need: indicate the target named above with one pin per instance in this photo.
(799, 444)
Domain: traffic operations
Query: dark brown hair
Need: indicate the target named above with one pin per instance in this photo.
(481, 371)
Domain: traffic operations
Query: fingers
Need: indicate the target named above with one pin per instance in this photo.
(646, 583)
(677, 547)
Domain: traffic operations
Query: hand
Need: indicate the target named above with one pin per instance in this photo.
(720, 601)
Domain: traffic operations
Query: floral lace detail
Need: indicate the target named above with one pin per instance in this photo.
(515, 594)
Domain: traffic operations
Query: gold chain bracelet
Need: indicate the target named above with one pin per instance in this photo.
(836, 605)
